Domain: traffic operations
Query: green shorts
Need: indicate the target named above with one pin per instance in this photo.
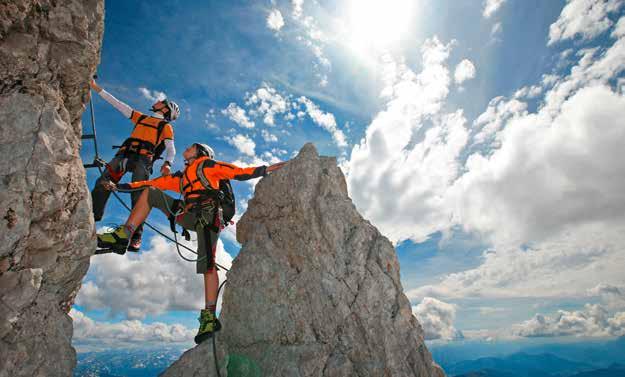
(206, 238)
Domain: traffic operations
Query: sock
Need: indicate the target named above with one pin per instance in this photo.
(211, 305)
(130, 229)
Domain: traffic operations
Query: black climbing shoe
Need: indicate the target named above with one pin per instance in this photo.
(115, 241)
(209, 324)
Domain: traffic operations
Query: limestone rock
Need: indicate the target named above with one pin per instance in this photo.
(199, 361)
(48, 51)
(315, 289)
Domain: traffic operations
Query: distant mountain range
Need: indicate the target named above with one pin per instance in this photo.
(582, 359)
(577, 359)
(602, 354)
(612, 371)
(126, 362)
(520, 365)
(599, 353)
(615, 370)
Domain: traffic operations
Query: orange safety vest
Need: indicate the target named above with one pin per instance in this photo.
(195, 187)
(145, 137)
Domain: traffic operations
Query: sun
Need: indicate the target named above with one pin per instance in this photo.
(378, 24)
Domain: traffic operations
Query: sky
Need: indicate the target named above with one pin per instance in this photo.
(483, 138)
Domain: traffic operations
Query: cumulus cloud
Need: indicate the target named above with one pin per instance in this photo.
(566, 265)
(499, 112)
(619, 29)
(268, 137)
(544, 191)
(243, 143)
(237, 115)
(126, 333)
(564, 157)
(150, 283)
(612, 295)
(400, 170)
(549, 173)
(583, 18)
(465, 70)
(152, 95)
(275, 21)
(437, 319)
(592, 321)
(298, 8)
(324, 120)
(267, 102)
(553, 169)
(491, 7)
(532, 91)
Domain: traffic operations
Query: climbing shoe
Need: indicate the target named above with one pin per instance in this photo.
(209, 324)
(116, 241)
(135, 243)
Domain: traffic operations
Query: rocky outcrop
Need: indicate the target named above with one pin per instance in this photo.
(315, 289)
(199, 361)
(48, 51)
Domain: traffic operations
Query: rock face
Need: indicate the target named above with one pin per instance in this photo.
(48, 51)
(199, 361)
(315, 289)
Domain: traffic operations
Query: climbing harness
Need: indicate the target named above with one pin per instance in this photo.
(99, 163)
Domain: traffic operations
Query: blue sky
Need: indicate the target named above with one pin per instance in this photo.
(482, 137)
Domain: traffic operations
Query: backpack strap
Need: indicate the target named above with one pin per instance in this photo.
(140, 120)
(200, 174)
(159, 130)
(159, 147)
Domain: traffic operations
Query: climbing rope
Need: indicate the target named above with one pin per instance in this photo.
(215, 335)
(98, 162)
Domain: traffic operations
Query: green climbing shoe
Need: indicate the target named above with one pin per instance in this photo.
(209, 324)
(116, 240)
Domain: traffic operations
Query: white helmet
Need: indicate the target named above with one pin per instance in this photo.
(169, 109)
(175, 110)
(205, 150)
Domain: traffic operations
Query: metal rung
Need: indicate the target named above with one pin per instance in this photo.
(87, 137)
(89, 166)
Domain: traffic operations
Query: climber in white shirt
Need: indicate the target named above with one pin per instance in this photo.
(152, 135)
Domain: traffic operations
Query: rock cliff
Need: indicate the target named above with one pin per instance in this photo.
(315, 289)
(48, 51)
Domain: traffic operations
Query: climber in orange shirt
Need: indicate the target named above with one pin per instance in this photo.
(201, 209)
(152, 135)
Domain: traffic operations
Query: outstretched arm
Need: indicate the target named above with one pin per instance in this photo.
(228, 171)
(167, 182)
(276, 166)
(119, 105)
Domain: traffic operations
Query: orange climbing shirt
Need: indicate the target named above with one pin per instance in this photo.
(189, 184)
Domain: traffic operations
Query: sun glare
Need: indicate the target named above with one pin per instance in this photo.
(378, 24)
